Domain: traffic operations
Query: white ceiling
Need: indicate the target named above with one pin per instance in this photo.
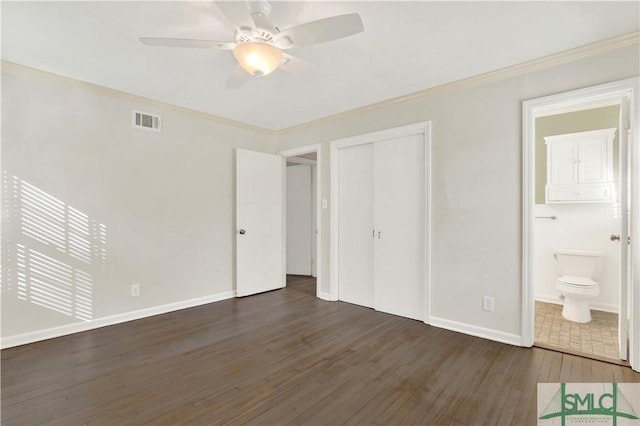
(406, 47)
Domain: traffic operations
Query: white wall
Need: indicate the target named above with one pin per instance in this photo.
(577, 227)
(476, 181)
(165, 199)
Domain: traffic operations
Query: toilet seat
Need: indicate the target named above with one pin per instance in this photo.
(575, 270)
(577, 282)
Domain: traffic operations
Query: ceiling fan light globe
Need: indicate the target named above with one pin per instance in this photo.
(258, 58)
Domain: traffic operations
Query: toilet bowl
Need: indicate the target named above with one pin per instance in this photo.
(577, 291)
(576, 271)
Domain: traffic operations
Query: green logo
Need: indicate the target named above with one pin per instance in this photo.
(588, 404)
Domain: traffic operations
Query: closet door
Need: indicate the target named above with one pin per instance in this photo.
(355, 215)
(399, 224)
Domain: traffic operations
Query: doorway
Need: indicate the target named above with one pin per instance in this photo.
(566, 212)
(303, 191)
(566, 224)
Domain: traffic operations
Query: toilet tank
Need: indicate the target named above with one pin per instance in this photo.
(580, 263)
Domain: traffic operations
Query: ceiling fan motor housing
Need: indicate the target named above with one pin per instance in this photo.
(244, 35)
(259, 7)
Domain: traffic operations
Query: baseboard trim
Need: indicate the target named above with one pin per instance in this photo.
(474, 330)
(325, 296)
(546, 298)
(595, 306)
(50, 333)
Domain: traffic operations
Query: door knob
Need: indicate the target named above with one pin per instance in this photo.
(614, 237)
(242, 232)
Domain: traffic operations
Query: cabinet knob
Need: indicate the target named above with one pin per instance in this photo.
(614, 237)
(242, 232)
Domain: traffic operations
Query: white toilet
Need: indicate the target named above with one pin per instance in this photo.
(576, 271)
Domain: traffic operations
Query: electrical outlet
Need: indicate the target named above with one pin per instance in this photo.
(135, 290)
(487, 303)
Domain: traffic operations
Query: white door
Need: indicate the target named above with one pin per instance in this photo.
(563, 162)
(592, 160)
(625, 173)
(259, 222)
(355, 221)
(399, 224)
(299, 229)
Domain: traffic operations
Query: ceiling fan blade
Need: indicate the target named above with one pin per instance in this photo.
(186, 42)
(300, 67)
(236, 13)
(322, 30)
(237, 78)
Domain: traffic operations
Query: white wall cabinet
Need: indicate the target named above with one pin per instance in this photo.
(382, 225)
(580, 167)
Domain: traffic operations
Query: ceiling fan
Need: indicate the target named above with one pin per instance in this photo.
(259, 44)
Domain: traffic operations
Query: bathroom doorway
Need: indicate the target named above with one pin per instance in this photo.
(578, 296)
(573, 225)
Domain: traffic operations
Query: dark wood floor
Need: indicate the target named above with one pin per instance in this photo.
(282, 357)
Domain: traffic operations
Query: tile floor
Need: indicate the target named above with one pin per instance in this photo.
(599, 337)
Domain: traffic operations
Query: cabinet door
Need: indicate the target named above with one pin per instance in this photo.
(562, 160)
(592, 160)
(399, 218)
(355, 215)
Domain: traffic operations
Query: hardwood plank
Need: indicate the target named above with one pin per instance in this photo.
(281, 357)
(527, 403)
(495, 386)
(556, 364)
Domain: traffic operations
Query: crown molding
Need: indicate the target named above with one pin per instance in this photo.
(588, 50)
(500, 74)
(131, 97)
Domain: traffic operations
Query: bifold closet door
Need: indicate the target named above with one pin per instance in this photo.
(355, 218)
(399, 211)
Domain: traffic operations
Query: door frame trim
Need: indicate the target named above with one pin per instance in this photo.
(536, 107)
(308, 149)
(423, 128)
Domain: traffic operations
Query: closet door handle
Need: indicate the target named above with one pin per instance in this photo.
(379, 234)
